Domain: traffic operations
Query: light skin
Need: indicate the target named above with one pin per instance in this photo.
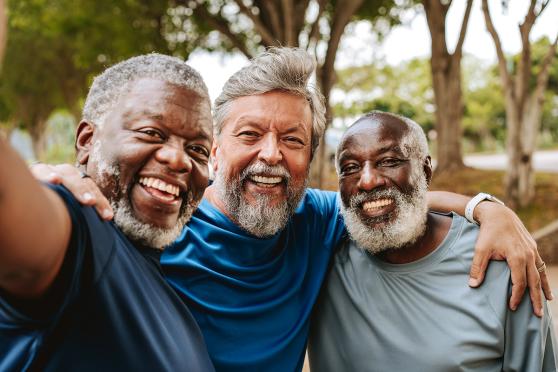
(273, 128)
(502, 233)
(156, 129)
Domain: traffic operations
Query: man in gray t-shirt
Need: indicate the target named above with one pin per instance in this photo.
(396, 298)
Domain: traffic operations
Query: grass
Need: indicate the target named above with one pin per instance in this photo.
(469, 181)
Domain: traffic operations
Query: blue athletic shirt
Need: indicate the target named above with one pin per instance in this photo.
(110, 309)
(253, 297)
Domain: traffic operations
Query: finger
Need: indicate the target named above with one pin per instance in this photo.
(88, 193)
(545, 284)
(535, 292)
(102, 205)
(85, 190)
(518, 267)
(478, 267)
(45, 173)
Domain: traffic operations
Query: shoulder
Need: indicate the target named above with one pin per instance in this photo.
(91, 236)
(319, 201)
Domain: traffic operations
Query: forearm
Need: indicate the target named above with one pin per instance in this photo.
(444, 201)
(34, 228)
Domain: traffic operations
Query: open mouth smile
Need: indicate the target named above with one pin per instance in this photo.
(266, 181)
(378, 207)
(160, 190)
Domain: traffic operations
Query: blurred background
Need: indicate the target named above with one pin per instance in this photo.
(481, 77)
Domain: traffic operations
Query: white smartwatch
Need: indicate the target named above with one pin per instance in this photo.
(482, 196)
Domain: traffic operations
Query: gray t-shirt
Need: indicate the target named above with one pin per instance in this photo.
(422, 316)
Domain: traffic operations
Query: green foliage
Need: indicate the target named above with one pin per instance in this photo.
(404, 89)
(55, 47)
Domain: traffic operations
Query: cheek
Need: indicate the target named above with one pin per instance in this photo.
(298, 163)
(199, 181)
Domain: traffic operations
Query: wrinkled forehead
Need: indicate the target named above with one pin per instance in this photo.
(369, 133)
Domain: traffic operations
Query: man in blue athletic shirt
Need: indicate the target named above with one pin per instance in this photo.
(78, 293)
(251, 261)
(396, 297)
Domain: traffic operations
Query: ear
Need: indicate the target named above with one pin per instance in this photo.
(84, 141)
(427, 166)
(215, 155)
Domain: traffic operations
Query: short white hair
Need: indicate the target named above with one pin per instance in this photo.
(413, 143)
(109, 86)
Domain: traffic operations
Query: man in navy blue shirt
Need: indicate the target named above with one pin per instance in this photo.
(78, 293)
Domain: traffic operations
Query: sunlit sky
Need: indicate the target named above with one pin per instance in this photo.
(407, 41)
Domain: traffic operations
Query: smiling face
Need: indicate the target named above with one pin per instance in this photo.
(150, 158)
(262, 158)
(382, 183)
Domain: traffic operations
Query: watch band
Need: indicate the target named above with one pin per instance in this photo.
(471, 205)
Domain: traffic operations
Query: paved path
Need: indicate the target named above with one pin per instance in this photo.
(544, 161)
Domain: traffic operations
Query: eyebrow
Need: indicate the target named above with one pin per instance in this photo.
(255, 121)
(382, 150)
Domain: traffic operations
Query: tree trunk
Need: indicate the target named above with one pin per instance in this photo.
(3, 29)
(449, 111)
(37, 133)
(513, 150)
(446, 82)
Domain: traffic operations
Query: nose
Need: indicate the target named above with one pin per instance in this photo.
(269, 151)
(174, 157)
(370, 178)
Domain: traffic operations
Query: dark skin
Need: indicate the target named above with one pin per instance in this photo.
(371, 159)
(156, 130)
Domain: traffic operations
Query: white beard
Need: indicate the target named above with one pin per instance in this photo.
(258, 219)
(410, 218)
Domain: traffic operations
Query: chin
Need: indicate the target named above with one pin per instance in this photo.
(148, 234)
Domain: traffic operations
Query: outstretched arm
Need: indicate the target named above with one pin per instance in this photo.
(35, 229)
(502, 237)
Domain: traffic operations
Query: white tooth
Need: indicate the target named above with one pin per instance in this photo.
(176, 191)
(168, 189)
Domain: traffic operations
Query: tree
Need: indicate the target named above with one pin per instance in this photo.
(446, 81)
(314, 25)
(404, 89)
(524, 97)
(3, 29)
(56, 46)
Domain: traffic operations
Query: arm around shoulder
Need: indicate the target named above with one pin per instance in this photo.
(35, 229)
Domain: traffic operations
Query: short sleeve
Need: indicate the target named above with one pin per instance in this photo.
(81, 263)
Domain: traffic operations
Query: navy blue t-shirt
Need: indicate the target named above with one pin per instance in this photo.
(113, 310)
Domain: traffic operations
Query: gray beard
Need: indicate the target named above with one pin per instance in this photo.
(108, 176)
(258, 219)
(146, 234)
(409, 224)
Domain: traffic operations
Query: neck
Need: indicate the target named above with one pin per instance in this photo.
(437, 227)
(211, 196)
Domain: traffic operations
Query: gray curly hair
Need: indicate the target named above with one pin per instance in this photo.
(115, 81)
(283, 69)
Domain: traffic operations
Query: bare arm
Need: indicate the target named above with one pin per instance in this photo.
(35, 229)
(502, 237)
